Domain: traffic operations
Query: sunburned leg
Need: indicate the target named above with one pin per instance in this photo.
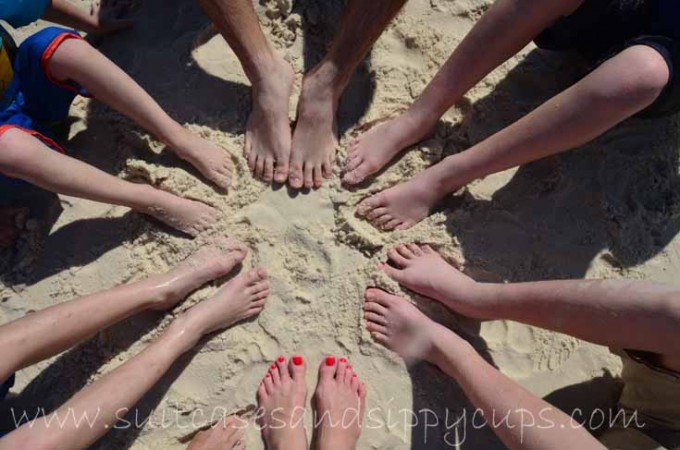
(618, 89)
(519, 418)
(339, 406)
(268, 134)
(282, 398)
(25, 157)
(76, 60)
(119, 390)
(41, 335)
(227, 434)
(314, 139)
(593, 310)
(506, 28)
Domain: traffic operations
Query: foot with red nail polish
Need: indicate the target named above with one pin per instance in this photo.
(339, 406)
(282, 396)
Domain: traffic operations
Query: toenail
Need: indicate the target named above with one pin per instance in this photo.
(274, 366)
(297, 360)
(354, 375)
(330, 361)
(349, 367)
(281, 359)
(268, 375)
(343, 360)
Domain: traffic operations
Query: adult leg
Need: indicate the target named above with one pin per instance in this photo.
(118, 391)
(268, 130)
(77, 60)
(314, 139)
(593, 310)
(53, 330)
(519, 418)
(506, 28)
(24, 156)
(615, 91)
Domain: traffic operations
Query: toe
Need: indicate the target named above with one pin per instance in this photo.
(340, 370)
(318, 177)
(349, 371)
(377, 212)
(308, 175)
(416, 249)
(372, 202)
(281, 171)
(252, 158)
(381, 221)
(262, 393)
(381, 297)
(405, 251)
(352, 163)
(282, 365)
(397, 258)
(268, 170)
(295, 177)
(259, 167)
(327, 369)
(391, 225)
(327, 168)
(275, 374)
(373, 327)
(375, 318)
(373, 307)
(256, 275)
(268, 383)
(427, 249)
(297, 368)
(354, 384)
(395, 274)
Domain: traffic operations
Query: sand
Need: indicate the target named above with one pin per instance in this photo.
(609, 209)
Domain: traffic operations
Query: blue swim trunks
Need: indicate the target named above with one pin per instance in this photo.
(34, 100)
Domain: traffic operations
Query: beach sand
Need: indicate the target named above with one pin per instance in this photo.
(610, 209)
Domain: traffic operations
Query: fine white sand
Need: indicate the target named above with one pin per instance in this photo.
(607, 210)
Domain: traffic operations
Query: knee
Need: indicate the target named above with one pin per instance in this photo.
(646, 76)
(14, 151)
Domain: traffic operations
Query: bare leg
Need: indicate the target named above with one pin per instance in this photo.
(76, 60)
(119, 390)
(593, 310)
(339, 406)
(619, 88)
(268, 131)
(24, 156)
(506, 28)
(519, 418)
(314, 139)
(43, 334)
(227, 434)
(282, 396)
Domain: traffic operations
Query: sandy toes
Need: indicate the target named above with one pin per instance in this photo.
(211, 161)
(239, 299)
(314, 139)
(227, 434)
(208, 263)
(281, 397)
(268, 135)
(339, 406)
(398, 325)
(188, 216)
(401, 206)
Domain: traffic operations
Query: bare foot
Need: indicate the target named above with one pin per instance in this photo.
(401, 206)
(314, 139)
(423, 270)
(239, 299)
(398, 325)
(268, 136)
(373, 149)
(211, 161)
(281, 398)
(227, 434)
(339, 404)
(208, 263)
(188, 216)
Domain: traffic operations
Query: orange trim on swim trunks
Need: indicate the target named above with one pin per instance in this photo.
(49, 52)
(45, 140)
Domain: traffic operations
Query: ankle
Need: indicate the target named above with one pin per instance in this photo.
(264, 68)
(183, 332)
(415, 126)
(324, 80)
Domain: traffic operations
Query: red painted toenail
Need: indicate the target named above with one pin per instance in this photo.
(330, 361)
(354, 375)
(343, 360)
(281, 359)
(269, 375)
(349, 367)
(274, 366)
(297, 360)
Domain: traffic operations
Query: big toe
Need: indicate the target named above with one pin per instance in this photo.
(256, 275)
(281, 171)
(372, 202)
(327, 369)
(297, 368)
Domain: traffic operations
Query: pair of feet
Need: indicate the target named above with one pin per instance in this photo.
(303, 157)
(338, 404)
(406, 204)
(242, 297)
(400, 326)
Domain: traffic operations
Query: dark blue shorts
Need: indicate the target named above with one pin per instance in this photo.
(34, 101)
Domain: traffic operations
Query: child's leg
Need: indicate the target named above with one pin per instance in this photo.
(78, 61)
(25, 157)
(51, 331)
(118, 391)
(506, 28)
(618, 89)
